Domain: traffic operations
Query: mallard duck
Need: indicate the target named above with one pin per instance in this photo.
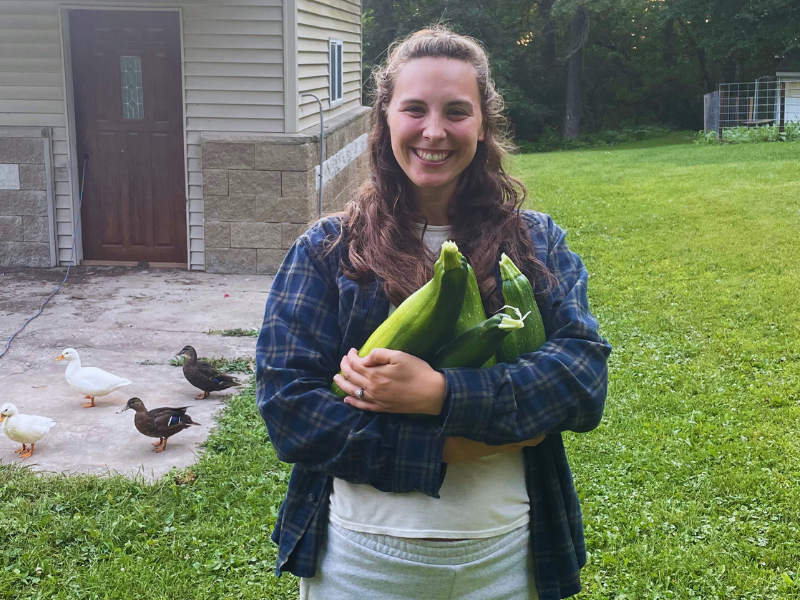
(25, 429)
(203, 376)
(90, 381)
(159, 422)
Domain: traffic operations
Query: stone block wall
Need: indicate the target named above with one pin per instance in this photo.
(260, 193)
(24, 221)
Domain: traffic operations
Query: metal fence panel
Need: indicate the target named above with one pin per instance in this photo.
(751, 104)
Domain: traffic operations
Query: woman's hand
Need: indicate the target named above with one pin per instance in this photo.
(393, 382)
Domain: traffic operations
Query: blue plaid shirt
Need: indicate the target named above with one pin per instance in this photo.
(315, 314)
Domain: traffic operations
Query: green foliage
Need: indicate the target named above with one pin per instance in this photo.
(706, 137)
(553, 141)
(751, 135)
(643, 62)
(765, 133)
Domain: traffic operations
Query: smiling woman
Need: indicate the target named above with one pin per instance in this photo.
(476, 501)
(435, 125)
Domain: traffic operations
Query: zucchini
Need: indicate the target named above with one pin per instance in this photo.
(477, 344)
(427, 318)
(517, 291)
(472, 312)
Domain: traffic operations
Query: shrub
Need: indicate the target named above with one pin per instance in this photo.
(752, 135)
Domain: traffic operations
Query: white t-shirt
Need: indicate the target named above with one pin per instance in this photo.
(478, 499)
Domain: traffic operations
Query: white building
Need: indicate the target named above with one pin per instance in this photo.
(202, 150)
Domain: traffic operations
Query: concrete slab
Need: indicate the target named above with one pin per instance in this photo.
(130, 322)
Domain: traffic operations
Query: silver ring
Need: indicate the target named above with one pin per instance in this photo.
(360, 393)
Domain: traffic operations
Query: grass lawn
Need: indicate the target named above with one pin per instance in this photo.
(689, 486)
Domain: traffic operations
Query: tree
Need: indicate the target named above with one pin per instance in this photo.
(572, 113)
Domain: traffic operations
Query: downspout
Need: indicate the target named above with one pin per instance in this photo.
(321, 146)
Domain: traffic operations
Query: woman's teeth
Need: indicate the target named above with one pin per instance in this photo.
(432, 157)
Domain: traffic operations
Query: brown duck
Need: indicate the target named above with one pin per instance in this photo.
(159, 422)
(203, 376)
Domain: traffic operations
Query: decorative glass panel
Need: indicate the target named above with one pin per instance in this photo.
(132, 96)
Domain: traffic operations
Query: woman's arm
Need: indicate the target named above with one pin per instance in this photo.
(296, 355)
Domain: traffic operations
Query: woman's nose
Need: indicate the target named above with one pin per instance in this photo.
(433, 128)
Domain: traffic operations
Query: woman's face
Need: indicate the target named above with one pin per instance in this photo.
(435, 124)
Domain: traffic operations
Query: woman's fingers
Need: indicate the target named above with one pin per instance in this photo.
(349, 384)
(378, 356)
(362, 404)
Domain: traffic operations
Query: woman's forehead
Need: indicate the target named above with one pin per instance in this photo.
(436, 78)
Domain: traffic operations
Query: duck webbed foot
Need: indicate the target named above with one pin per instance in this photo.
(89, 404)
(161, 445)
(203, 396)
(21, 450)
(27, 454)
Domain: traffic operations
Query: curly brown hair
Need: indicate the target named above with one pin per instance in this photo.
(484, 215)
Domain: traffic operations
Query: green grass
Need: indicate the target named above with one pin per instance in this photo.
(689, 486)
(237, 332)
(201, 533)
(242, 364)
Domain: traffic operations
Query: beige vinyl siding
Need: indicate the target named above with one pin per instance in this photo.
(233, 68)
(317, 22)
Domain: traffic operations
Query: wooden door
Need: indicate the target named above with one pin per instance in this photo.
(126, 69)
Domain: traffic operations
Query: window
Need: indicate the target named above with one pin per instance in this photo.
(132, 98)
(335, 71)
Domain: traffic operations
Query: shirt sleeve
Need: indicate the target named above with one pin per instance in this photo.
(297, 354)
(560, 387)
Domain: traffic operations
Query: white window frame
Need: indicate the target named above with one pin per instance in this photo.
(335, 72)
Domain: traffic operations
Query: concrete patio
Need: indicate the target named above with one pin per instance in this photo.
(130, 322)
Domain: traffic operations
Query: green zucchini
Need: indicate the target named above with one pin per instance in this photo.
(477, 344)
(517, 291)
(427, 318)
(472, 312)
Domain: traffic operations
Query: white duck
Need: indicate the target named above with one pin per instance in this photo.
(90, 381)
(25, 429)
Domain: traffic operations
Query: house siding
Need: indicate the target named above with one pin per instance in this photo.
(317, 22)
(233, 78)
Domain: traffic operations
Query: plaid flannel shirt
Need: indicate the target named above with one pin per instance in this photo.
(314, 315)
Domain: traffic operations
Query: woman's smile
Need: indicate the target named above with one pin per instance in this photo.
(433, 157)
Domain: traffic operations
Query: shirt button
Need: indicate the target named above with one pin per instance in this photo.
(312, 497)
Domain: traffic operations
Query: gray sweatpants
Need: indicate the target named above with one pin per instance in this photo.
(362, 566)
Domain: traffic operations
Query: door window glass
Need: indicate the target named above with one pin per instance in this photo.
(132, 96)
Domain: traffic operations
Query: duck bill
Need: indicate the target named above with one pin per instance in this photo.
(60, 357)
(123, 410)
(2, 418)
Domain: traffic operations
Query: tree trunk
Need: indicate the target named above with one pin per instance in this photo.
(572, 115)
(669, 46)
(549, 32)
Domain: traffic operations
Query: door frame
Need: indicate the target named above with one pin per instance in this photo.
(69, 100)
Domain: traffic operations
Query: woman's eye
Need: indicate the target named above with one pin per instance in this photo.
(457, 113)
(415, 110)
